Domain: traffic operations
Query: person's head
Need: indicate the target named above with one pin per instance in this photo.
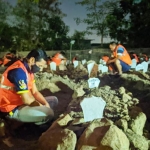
(112, 46)
(63, 53)
(37, 60)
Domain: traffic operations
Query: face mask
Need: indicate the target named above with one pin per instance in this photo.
(35, 68)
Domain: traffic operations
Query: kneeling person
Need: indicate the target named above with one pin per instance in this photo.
(120, 60)
(19, 97)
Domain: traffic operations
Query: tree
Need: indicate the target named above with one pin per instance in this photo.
(130, 25)
(79, 37)
(5, 29)
(54, 36)
(97, 12)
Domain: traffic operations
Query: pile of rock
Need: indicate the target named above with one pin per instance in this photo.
(121, 129)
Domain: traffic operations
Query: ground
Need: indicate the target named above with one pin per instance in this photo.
(26, 136)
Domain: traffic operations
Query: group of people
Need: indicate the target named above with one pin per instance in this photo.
(19, 96)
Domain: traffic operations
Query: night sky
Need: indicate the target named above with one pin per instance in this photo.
(72, 11)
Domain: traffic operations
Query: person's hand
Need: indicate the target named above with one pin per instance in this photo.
(47, 105)
(108, 62)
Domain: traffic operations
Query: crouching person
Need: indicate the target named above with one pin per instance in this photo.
(19, 97)
(120, 60)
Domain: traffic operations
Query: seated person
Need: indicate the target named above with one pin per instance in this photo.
(20, 98)
(120, 60)
(58, 58)
(134, 56)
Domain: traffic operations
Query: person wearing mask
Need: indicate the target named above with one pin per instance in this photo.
(120, 60)
(19, 96)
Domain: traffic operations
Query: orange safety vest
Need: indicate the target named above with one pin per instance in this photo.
(6, 59)
(125, 56)
(56, 59)
(105, 58)
(1, 62)
(9, 99)
(135, 56)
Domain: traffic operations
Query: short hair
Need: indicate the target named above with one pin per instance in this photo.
(113, 43)
(38, 54)
(63, 53)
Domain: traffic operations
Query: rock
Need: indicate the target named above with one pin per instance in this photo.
(77, 130)
(63, 121)
(94, 71)
(57, 139)
(139, 142)
(93, 133)
(138, 120)
(78, 121)
(122, 123)
(62, 67)
(121, 90)
(78, 92)
(126, 97)
(85, 147)
(119, 142)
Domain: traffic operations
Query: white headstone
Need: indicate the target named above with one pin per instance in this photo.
(149, 61)
(104, 69)
(139, 67)
(83, 61)
(104, 63)
(133, 63)
(100, 66)
(101, 61)
(145, 66)
(93, 108)
(93, 82)
(75, 63)
(53, 66)
(90, 67)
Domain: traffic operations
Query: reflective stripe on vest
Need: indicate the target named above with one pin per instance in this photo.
(7, 87)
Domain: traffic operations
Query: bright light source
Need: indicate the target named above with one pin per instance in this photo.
(72, 42)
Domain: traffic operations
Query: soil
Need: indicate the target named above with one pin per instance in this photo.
(26, 136)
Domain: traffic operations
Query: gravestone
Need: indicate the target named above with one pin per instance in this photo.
(93, 82)
(101, 61)
(75, 63)
(83, 61)
(100, 66)
(104, 69)
(93, 108)
(139, 67)
(145, 66)
(133, 66)
(53, 66)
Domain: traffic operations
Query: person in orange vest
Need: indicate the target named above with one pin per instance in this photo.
(145, 57)
(75, 57)
(120, 60)
(20, 98)
(59, 58)
(8, 58)
(106, 59)
(134, 56)
(1, 61)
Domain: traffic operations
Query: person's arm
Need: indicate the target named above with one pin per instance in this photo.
(19, 79)
(120, 51)
(38, 96)
(113, 60)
